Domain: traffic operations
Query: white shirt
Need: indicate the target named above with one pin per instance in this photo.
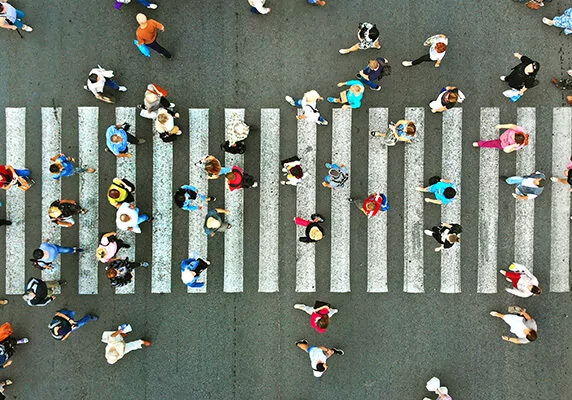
(97, 87)
(134, 217)
(259, 5)
(432, 52)
(526, 280)
(317, 355)
(167, 126)
(529, 182)
(518, 325)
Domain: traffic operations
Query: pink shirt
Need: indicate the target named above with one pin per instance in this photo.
(507, 137)
(316, 316)
(110, 248)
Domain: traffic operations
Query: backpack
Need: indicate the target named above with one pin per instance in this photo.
(240, 147)
(5, 331)
(248, 181)
(340, 179)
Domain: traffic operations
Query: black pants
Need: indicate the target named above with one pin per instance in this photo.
(421, 59)
(159, 49)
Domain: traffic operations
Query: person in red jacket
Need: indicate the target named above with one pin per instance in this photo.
(320, 314)
(238, 179)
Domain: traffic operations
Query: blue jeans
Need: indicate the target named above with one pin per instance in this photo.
(111, 83)
(514, 180)
(64, 249)
(19, 15)
(142, 218)
(22, 172)
(298, 103)
(71, 314)
(254, 10)
(368, 83)
(143, 2)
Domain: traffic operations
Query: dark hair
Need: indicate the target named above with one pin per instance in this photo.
(320, 367)
(455, 238)
(296, 171)
(323, 322)
(373, 33)
(452, 97)
(93, 78)
(180, 197)
(55, 168)
(410, 129)
(111, 273)
(519, 138)
(532, 335)
(440, 47)
(541, 182)
(535, 290)
(114, 193)
(449, 192)
(37, 254)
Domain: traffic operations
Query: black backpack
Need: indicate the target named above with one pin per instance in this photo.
(240, 147)
(247, 181)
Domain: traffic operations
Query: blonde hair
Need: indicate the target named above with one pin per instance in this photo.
(163, 117)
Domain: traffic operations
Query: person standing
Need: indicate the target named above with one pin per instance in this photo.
(116, 347)
(443, 189)
(372, 205)
(119, 271)
(522, 77)
(375, 70)
(147, 34)
(11, 17)
(98, 79)
(337, 176)
(368, 38)
(437, 51)
(145, 3)
(524, 284)
(61, 212)
(350, 98)
(448, 97)
(165, 125)
(528, 187)
(47, 253)
(9, 176)
(41, 293)
(257, 7)
(292, 168)
(445, 234)
(521, 324)
(63, 323)
(514, 138)
(314, 231)
(120, 191)
(117, 138)
(191, 269)
(320, 314)
(128, 218)
(63, 166)
(563, 21)
(318, 356)
(109, 245)
(309, 107)
(214, 222)
(186, 195)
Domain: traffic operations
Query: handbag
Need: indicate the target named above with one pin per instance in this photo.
(512, 94)
(143, 49)
(534, 5)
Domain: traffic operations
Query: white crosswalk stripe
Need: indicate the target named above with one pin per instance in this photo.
(165, 269)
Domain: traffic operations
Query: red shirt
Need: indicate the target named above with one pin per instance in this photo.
(6, 176)
(375, 198)
(236, 183)
(316, 316)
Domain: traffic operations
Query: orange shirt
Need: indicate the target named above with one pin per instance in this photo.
(149, 33)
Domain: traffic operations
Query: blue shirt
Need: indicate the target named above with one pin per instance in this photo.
(52, 251)
(192, 264)
(116, 148)
(354, 100)
(439, 189)
(188, 205)
(214, 214)
(67, 167)
(338, 181)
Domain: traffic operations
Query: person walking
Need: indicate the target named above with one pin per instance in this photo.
(349, 98)
(257, 7)
(109, 245)
(314, 231)
(120, 191)
(337, 176)
(46, 254)
(186, 195)
(119, 271)
(144, 3)
(155, 97)
(512, 139)
(147, 34)
(165, 125)
(402, 131)
(567, 174)
(524, 284)
(320, 314)
(63, 166)
(215, 223)
(528, 187)
(116, 347)
(374, 71)
(9, 176)
(292, 168)
(238, 179)
(448, 97)
(522, 77)
(41, 293)
(128, 218)
(309, 107)
(444, 191)
(8, 344)
(236, 130)
(434, 385)
(117, 139)
(445, 234)
(63, 323)
(11, 18)
(61, 212)
(318, 356)
(191, 270)
(521, 324)
(368, 38)
(375, 203)
(563, 21)
(438, 48)
(99, 78)
(213, 167)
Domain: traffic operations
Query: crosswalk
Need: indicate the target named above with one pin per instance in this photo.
(165, 269)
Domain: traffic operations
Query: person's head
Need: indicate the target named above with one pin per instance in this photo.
(532, 68)
(321, 367)
(531, 335)
(315, 233)
(56, 168)
(449, 192)
(452, 97)
(100, 253)
(116, 139)
(213, 166)
(323, 322)
(38, 254)
(372, 34)
(124, 218)
(93, 78)
(311, 96)
(334, 173)
(213, 223)
(540, 182)
(296, 171)
(111, 273)
(29, 295)
(373, 64)
(112, 356)
(519, 138)
(231, 176)
(535, 290)
(440, 47)
(180, 196)
(151, 97)
(114, 193)
(163, 118)
(454, 238)
(141, 18)
(54, 212)
(356, 89)
(410, 129)
(370, 206)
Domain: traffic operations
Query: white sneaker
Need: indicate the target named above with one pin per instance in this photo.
(298, 306)
(428, 232)
(152, 6)
(324, 122)
(546, 21)
(122, 89)
(172, 105)
(85, 87)
(290, 101)
(27, 28)
(554, 179)
(502, 78)
(406, 63)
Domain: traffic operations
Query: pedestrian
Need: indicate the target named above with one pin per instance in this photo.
(147, 34)
(120, 191)
(215, 223)
(155, 98)
(186, 195)
(117, 139)
(320, 314)
(349, 98)
(8, 344)
(368, 38)
(191, 269)
(128, 218)
(402, 131)
(236, 130)
(438, 48)
(11, 17)
(521, 324)
(213, 167)
(238, 179)
(63, 323)
(145, 3)
(257, 7)
(99, 78)
(165, 125)
(528, 187)
(514, 138)
(448, 97)
(445, 234)
(109, 245)
(434, 385)
(46, 254)
(372, 205)
(116, 347)
(563, 21)
(337, 176)
(119, 271)
(309, 107)
(374, 71)
(3, 384)
(522, 77)
(41, 293)
(524, 284)
(314, 231)
(61, 212)
(63, 166)
(318, 356)
(567, 174)
(9, 176)
(292, 168)
(444, 190)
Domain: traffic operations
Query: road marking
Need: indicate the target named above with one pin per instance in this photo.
(126, 169)
(377, 183)
(233, 238)
(524, 210)
(269, 200)
(51, 188)
(16, 259)
(340, 206)
(413, 206)
(88, 199)
(488, 205)
(306, 206)
(451, 169)
(560, 203)
(198, 149)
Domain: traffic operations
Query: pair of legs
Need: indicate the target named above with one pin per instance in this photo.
(142, 218)
(81, 170)
(309, 310)
(422, 59)
(145, 3)
(489, 144)
(18, 22)
(110, 83)
(52, 286)
(369, 83)
(159, 49)
(343, 99)
(303, 344)
(67, 250)
(81, 322)
(356, 47)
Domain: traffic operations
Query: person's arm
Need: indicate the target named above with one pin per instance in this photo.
(5, 25)
(342, 84)
(505, 126)
(434, 201)
(510, 148)
(54, 158)
(514, 340)
(6, 364)
(446, 225)
(525, 315)
(440, 109)
(116, 333)
(517, 292)
(517, 55)
(519, 196)
(124, 155)
(45, 301)
(222, 211)
(159, 26)
(62, 223)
